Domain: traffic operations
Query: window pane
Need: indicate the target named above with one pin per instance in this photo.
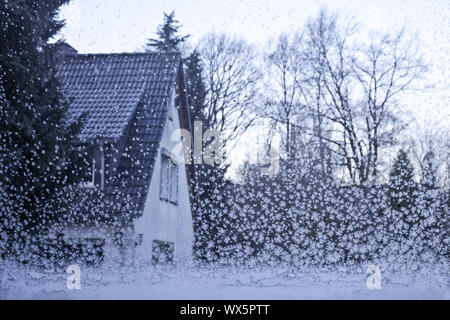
(94, 163)
(85, 170)
(88, 173)
(164, 191)
(99, 167)
(174, 183)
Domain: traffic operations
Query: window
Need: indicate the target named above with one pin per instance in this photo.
(164, 192)
(139, 239)
(169, 179)
(173, 183)
(162, 252)
(94, 168)
(170, 113)
(89, 251)
(88, 180)
(174, 105)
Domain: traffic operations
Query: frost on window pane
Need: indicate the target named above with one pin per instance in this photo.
(333, 125)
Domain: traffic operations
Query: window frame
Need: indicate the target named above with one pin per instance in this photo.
(91, 183)
(165, 182)
(97, 169)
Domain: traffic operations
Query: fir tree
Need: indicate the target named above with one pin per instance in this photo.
(169, 39)
(401, 183)
(211, 179)
(196, 88)
(429, 171)
(37, 139)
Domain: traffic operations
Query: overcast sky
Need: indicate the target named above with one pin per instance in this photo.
(118, 26)
(123, 26)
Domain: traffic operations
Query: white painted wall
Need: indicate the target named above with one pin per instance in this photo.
(163, 220)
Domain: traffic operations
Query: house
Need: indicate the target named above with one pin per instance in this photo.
(132, 103)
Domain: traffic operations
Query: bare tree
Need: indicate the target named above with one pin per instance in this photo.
(361, 82)
(231, 78)
(282, 93)
(429, 145)
(387, 67)
(318, 37)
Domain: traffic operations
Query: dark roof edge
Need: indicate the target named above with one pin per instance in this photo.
(126, 53)
(178, 65)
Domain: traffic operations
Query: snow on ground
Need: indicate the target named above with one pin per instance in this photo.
(183, 282)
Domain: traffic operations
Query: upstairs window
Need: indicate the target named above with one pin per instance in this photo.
(88, 179)
(169, 179)
(171, 106)
(93, 169)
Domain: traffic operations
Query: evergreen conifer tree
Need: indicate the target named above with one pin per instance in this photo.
(211, 181)
(401, 183)
(168, 39)
(429, 171)
(37, 150)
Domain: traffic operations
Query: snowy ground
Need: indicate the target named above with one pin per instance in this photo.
(430, 282)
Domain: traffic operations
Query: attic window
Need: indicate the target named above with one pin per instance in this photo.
(169, 179)
(88, 180)
(94, 168)
(170, 112)
(174, 103)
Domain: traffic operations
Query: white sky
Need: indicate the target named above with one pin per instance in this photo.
(124, 26)
(119, 26)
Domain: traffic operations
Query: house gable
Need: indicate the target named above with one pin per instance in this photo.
(163, 219)
(125, 98)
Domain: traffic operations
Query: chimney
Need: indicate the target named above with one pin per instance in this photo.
(64, 49)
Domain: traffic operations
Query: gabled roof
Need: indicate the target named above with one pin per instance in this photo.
(126, 97)
(109, 87)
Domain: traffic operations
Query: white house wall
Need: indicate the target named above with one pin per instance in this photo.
(161, 219)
